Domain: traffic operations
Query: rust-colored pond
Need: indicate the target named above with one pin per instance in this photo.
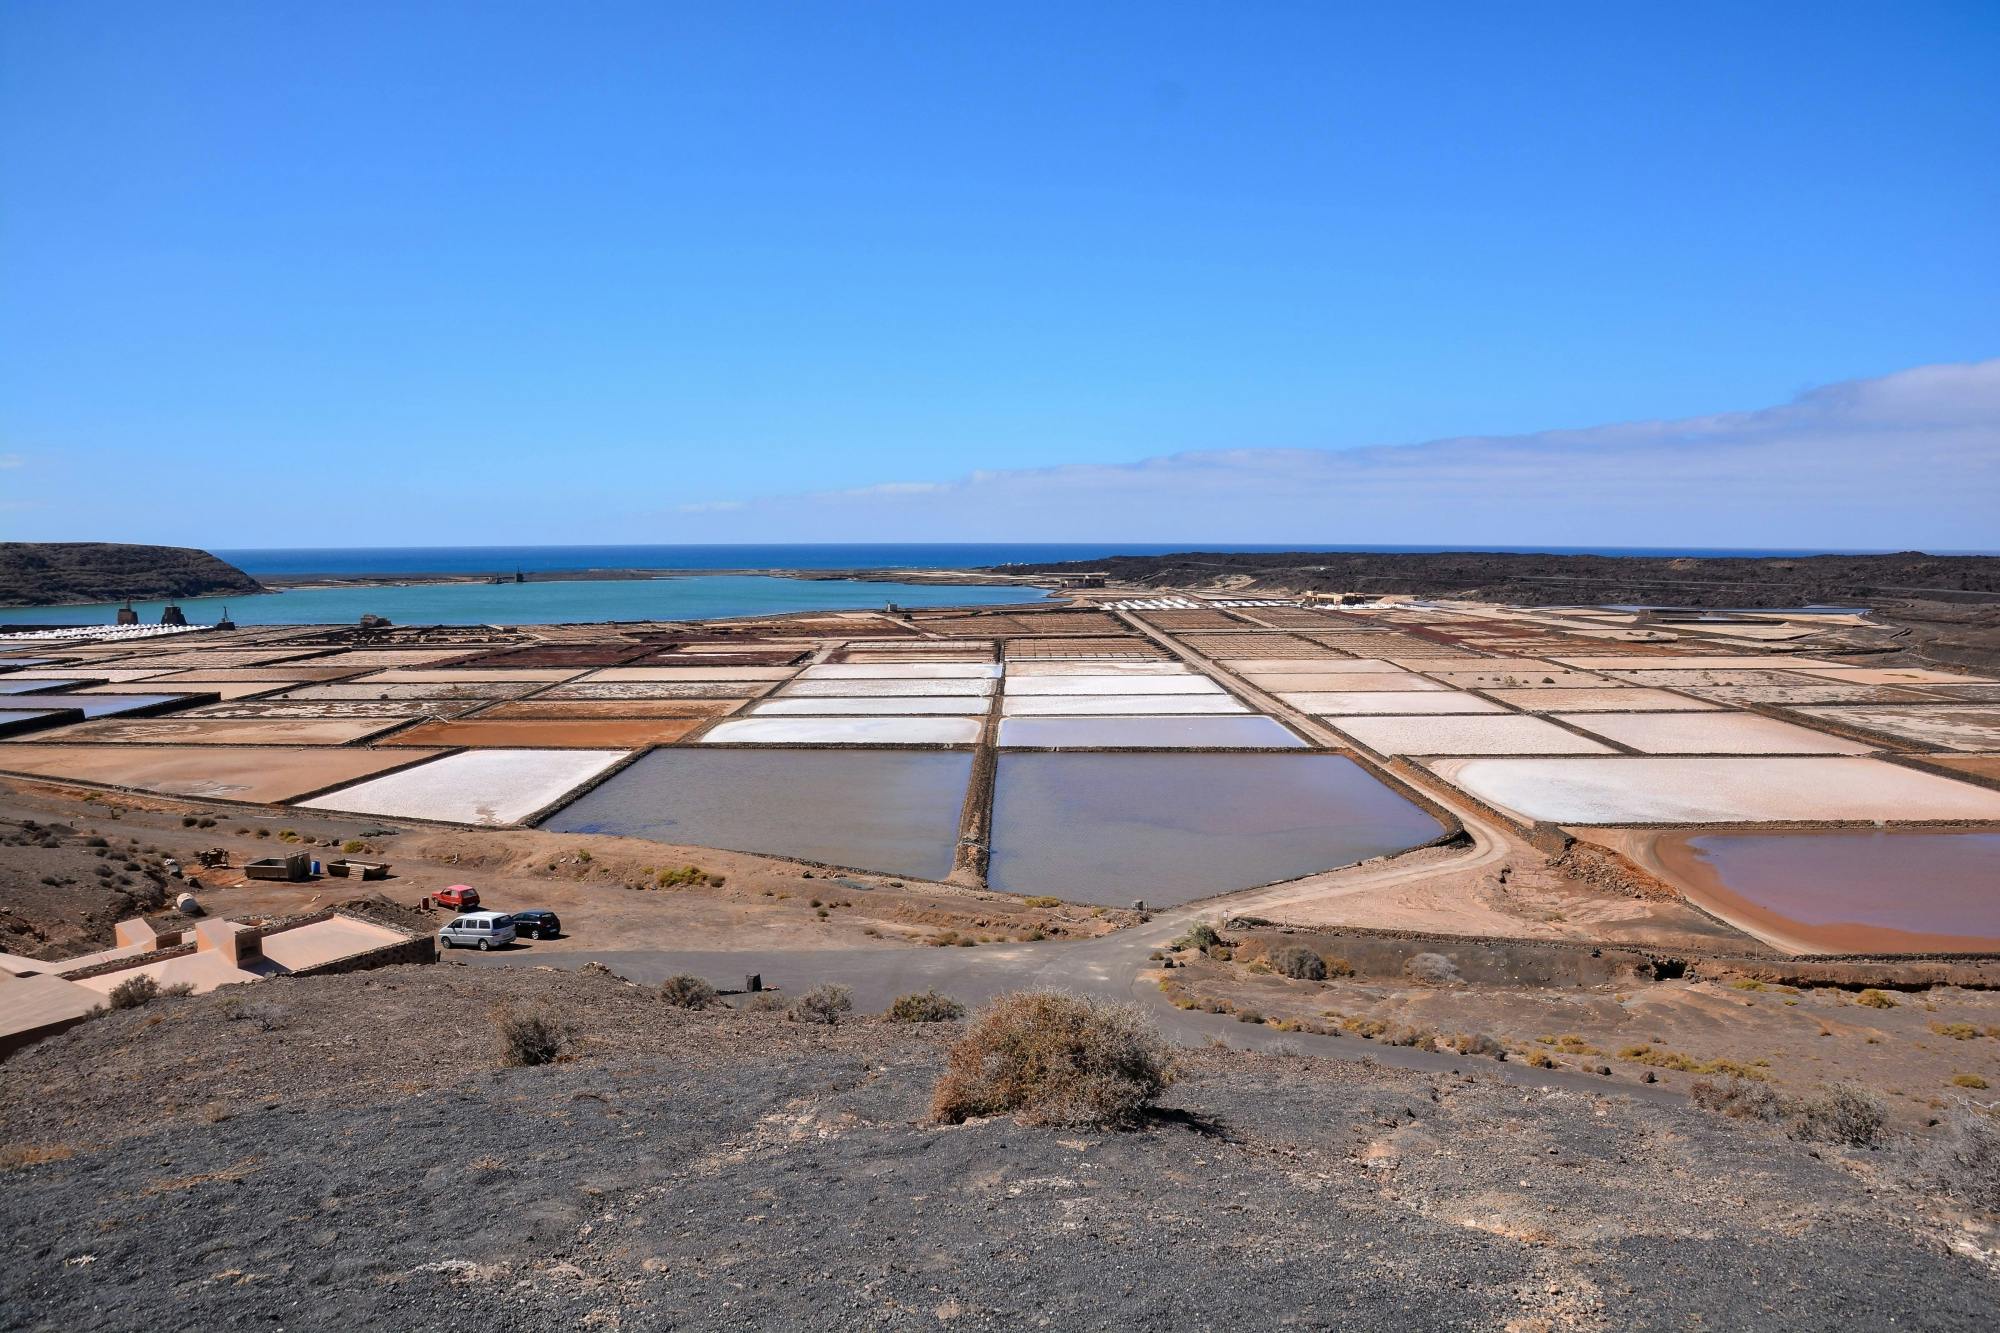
(1848, 890)
(1170, 828)
(894, 811)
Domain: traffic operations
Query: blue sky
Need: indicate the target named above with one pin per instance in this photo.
(711, 272)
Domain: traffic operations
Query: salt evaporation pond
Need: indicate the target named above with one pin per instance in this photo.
(894, 811)
(1112, 828)
(1849, 890)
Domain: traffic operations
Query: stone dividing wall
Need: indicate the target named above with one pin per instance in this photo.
(416, 949)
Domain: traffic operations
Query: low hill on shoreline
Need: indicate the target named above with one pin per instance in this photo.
(80, 573)
(1561, 580)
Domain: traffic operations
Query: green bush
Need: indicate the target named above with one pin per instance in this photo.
(1200, 936)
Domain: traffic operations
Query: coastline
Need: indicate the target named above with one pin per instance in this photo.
(277, 584)
(938, 577)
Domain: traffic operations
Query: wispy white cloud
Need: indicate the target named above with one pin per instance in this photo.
(13, 460)
(1908, 459)
(712, 507)
(887, 488)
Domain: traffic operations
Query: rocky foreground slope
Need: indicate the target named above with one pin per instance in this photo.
(348, 1152)
(78, 573)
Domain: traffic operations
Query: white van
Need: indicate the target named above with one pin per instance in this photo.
(486, 930)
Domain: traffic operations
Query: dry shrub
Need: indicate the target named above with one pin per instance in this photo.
(823, 1005)
(687, 992)
(1956, 1031)
(1478, 1043)
(1876, 999)
(1051, 1058)
(1739, 1099)
(133, 992)
(1964, 1158)
(1843, 1114)
(1299, 963)
(765, 1002)
(1431, 969)
(527, 1039)
(1660, 1058)
(928, 1007)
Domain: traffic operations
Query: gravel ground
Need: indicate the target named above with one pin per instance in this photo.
(366, 1163)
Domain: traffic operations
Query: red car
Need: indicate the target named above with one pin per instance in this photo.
(459, 897)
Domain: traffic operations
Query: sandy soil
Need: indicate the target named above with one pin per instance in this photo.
(1787, 1037)
(234, 773)
(226, 731)
(583, 733)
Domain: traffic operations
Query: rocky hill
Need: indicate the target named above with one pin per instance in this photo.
(1561, 580)
(349, 1151)
(79, 573)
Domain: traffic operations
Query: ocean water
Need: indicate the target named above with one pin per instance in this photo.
(569, 601)
(406, 560)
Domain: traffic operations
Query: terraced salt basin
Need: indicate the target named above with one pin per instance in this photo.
(8, 686)
(894, 811)
(1171, 828)
(1847, 890)
(1676, 789)
(472, 786)
(1245, 731)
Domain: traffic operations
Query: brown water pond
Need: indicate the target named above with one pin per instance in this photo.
(1848, 890)
(1171, 828)
(894, 811)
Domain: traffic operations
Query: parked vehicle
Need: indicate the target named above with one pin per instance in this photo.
(537, 924)
(459, 898)
(479, 930)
